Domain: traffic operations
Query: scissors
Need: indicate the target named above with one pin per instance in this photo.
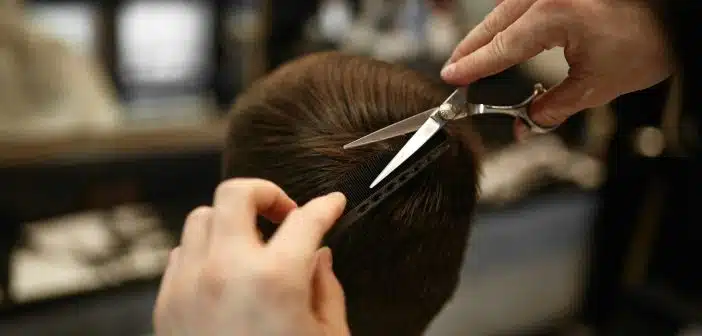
(429, 122)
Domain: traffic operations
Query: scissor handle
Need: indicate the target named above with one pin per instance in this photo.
(526, 104)
(520, 110)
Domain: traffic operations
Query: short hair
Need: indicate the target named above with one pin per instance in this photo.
(400, 263)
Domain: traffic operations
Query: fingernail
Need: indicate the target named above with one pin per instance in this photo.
(448, 71)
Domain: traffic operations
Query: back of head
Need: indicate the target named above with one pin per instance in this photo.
(400, 263)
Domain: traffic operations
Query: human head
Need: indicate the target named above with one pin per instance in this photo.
(400, 263)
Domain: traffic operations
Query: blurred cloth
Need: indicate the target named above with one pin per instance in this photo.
(512, 173)
(46, 86)
(524, 268)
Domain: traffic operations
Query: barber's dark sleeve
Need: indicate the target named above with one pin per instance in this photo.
(680, 20)
(288, 19)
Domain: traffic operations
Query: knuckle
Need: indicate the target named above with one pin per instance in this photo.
(310, 216)
(213, 277)
(318, 210)
(268, 274)
(274, 282)
(555, 6)
(490, 24)
(297, 215)
(499, 47)
(196, 218)
(228, 188)
(199, 213)
(239, 187)
(256, 182)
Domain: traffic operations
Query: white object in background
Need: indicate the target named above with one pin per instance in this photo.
(42, 270)
(361, 38)
(550, 67)
(62, 89)
(413, 17)
(163, 42)
(404, 40)
(512, 172)
(72, 23)
(395, 46)
(335, 20)
(509, 173)
(364, 33)
(442, 35)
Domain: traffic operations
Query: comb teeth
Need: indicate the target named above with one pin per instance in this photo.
(355, 185)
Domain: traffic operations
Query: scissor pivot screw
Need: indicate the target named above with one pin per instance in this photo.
(447, 112)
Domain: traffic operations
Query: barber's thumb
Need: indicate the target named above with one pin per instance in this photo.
(562, 101)
(329, 294)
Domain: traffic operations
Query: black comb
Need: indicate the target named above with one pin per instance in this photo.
(355, 185)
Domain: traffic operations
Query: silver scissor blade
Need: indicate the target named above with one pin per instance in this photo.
(402, 127)
(459, 97)
(428, 129)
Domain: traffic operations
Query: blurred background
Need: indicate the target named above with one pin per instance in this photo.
(113, 115)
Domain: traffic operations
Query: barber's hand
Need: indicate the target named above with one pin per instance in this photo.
(224, 280)
(613, 47)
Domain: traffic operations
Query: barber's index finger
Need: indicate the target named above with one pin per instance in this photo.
(496, 21)
(525, 38)
(237, 204)
(304, 228)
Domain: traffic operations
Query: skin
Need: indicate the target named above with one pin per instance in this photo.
(613, 47)
(224, 280)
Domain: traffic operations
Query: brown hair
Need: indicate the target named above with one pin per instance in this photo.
(400, 263)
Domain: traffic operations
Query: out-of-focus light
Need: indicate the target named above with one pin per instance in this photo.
(163, 42)
(649, 141)
(73, 23)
